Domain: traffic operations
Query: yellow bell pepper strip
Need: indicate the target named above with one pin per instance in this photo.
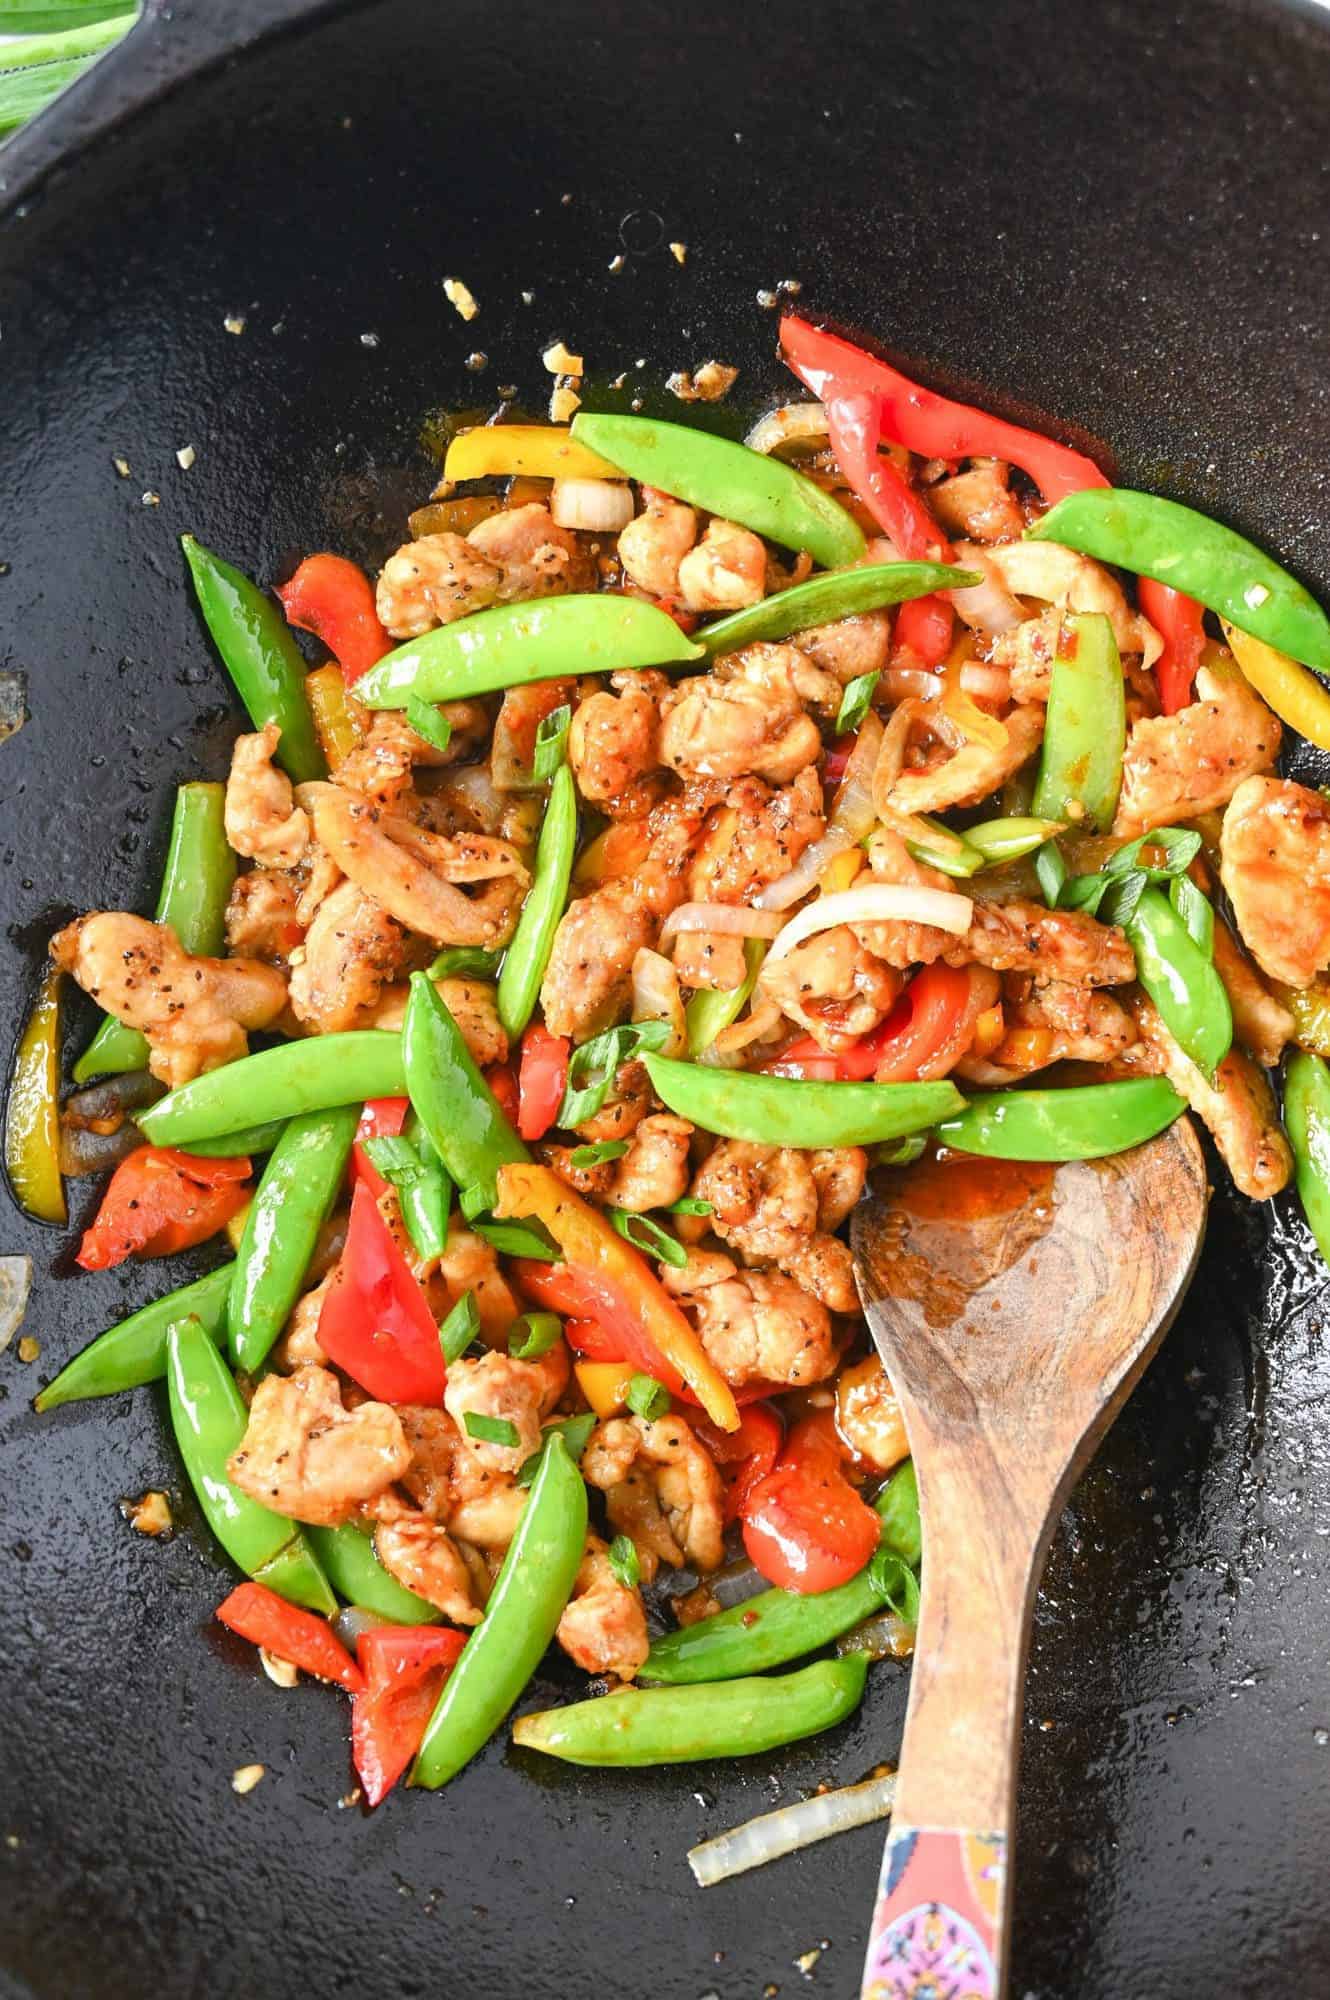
(1310, 1009)
(1184, 549)
(537, 451)
(1080, 770)
(32, 1114)
(604, 1384)
(339, 720)
(1296, 696)
(1307, 1116)
(601, 1258)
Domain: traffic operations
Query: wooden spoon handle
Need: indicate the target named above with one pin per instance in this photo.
(939, 1925)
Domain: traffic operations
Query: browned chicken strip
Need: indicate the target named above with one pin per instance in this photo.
(1276, 868)
(304, 1455)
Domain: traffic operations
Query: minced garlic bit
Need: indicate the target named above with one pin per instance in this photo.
(461, 297)
(528, 298)
(234, 322)
(282, 1673)
(767, 300)
(245, 1779)
(151, 499)
(564, 403)
(351, 1798)
(560, 361)
(29, 1348)
(807, 1960)
(706, 384)
(477, 362)
(122, 466)
(185, 457)
(150, 1514)
(679, 252)
(616, 264)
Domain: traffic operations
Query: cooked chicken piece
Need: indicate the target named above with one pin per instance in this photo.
(315, 881)
(261, 919)
(604, 1626)
(760, 1326)
(262, 819)
(868, 1416)
(726, 570)
(823, 1267)
(1261, 1022)
(652, 547)
(704, 1267)
(747, 716)
(1276, 868)
(591, 1181)
(470, 1264)
(848, 647)
(304, 1455)
(1060, 576)
(1179, 765)
(487, 1516)
(471, 1002)
(661, 1487)
(654, 1170)
(832, 986)
(1059, 1022)
(516, 1392)
(424, 1557)
(614, 740)
(380, 767)
(421, 877)
(964, 777)
(1016, 936)
(710, 960)
(447, 1483)
(298, 1346)
(352, 949)
(976, 503)
(756, 837)
(1028, 651)
(839, 1173)
(433, 581)
(1238, 1107)
(195, 1012)
(624, 1109)
(536, 557)
(765, 1202)
(589, 979)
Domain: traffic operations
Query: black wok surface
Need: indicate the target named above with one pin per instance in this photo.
(1109, 213)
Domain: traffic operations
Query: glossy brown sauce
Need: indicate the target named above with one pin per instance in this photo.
(953, 1223)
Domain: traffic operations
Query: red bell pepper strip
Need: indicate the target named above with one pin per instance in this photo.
(599, 1329)
(924, 422)
(334, 600)
(541, 1080)
(898, 1048)
(376, 1322)
(924, 626)
(302, 1637)
(804, 1526)
(405, 1667)
(503, 1084)
(160, 1201)
(382, 1118)
(1180, 623)
(745, 1456)
(854, 425)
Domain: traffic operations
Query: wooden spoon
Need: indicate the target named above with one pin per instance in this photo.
(1015, 1307)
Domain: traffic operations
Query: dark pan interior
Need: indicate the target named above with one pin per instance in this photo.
(1109, 213)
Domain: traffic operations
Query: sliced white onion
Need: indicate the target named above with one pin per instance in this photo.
(1058, 575)
(785, 1831)
(15, 1285)
(884, 1637)
(987, 607)
(852, 818)
(891, 756)
(911, 684)
(600, 505)
(352, 1620)
(656, 997)
(989, 683)
(876, 903)
(721, 919)
(791, 420)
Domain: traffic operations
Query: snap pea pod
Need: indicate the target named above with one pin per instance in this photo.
(282, 1224)
(710, 1012)
(1307, 1117)
(842, 594)
(1181, 980)
(196, 882)
(209, 1420)
(513, 644)
(524, 1608)
(451, 1098)
(260, 655)
(1082, 1123)
(426, 1198)
(528, 954)
(1080, 768)
(1193, 554)
(1001, 840)
(776, 1626)
(303, 1076)
(947, 851)
(347, 1557)
(230, 1145)
(134, 1352)
(727, 479)
(682, 1725)
(788, 1111)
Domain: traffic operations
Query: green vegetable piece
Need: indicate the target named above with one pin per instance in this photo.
(452, 1100)
(513, 644)
(823, 598)
(466, 961)
(196, 882)
(1196, 911)
(647, 1236)
(491, 1430)
(551, 743)
(787, 1111)
(134, 1352)
(312, 1075)
(1080, 769)
(1307, 1119)
(1082, 1123)
(574, 1431)
(25, 92)
(518, 1239)
(432, 727)
(232, 1145)
(291, 1204)
(855, 702)
(727, 479)
(1051, 872)
(87, 34)
(1000, 840)
(593, 1066)
(710, 1012)
(598, 1155)
(625, 1562)
(898, 1504)
(529, 953)
(355, 1572)
(461, 1327)
(950, 853)
(1181, 980)
(896, 1585)
(646, 1397)
(1193, 554)
(524, 1608)
(209, 1421)
(681, 1725)
(261, 656)
(426, 1196)
(534, 1334)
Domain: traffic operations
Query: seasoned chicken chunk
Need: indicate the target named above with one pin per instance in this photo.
(755, 838)
(976, 503)
(833, 986)
(760, 1326)
(520, 1393)
(470, 1264)
(381, 765)
(263, 820)
(195, 1012)
(654, 1170)
(725, 571)
(588, 982)
(536, 557)
(767, 1202)
(747, 716)
(261, 920)
(1064, 945)
(1179, 765)
(1238, 1107)
(1059, 1022)
(422, 878)
(604, 1625)
(614, 741)
(1276, 868)
(848, 647)
(868, 1416)
(652, 546)
(966, 776)
(1065, 578)
(304, 1455)
(1261, 1023)
(1028, 651)
(661, 1488)
(448, 1484)
(299, 1346)
(423, 1557)
(352, 950)
(433, 581)
(839, 1173)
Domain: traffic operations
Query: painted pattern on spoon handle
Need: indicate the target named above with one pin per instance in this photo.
(937, 1920)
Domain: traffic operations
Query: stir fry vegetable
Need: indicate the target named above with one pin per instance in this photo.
(782, 1111)
(405, 1672)
(346, 1556)
(259, 654)
(290, 1206)
(159, 1202)
(454, 1103)
(286, 1082)
(134, 1351)
(535, 451)
(841, 594)
(330, 597)
(376, 1322)
(528, 954)
(1084, 1122)
(1294, 695)
(1181, 980)
(302, 1638)
(32, 1120)
(1080, 771)
(1307, 1116)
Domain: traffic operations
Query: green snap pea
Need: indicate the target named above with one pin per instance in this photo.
(1193, 554)
(513, 644)
(260, 655)
(842, 594)
(209, 1421)
(528, 954)
(425, 1197)
(196, 882)
(788, 1111)
(524, 1608)
(682, 1725)
(346, 1555)
(728, 479)
(776, 1626)
(311, 1075)
(451, 1098)
(710, 1012)
(282, 1224)
(1001, 840)
(949, 852)
(1307, 1117)
(1181, 980)
(1082, 1123)
(134, 1352)
(230, 1145)
(1080, 768)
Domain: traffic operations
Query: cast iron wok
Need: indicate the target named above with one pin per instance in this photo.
(1109, 213)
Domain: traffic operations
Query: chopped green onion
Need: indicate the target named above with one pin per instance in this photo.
(624, 1562)
(688, 1204)
(473, 1201)
(647, 1236)
(551, 744)
(949, 852)
(899, 1152)
(573, 1430)
(461, 1327)
(428, 723)
(896, 1584)
(584, 1157)
(533, 1335)
(1052, 872)
(709, 1011)
(466, 961)
(520, 1239)
(1180, 844)
(395, 1160)
(856, 701)
(646, 1397)
(593, 1067)
(490, 1430)
(1196, 911)
(1000, 840)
